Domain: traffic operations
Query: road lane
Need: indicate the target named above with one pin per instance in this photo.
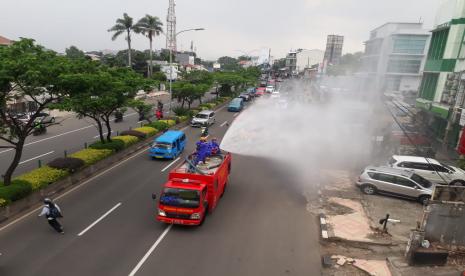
(247, 220)
(130, 183)
(261, 227)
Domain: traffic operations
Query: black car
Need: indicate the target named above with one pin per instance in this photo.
(245, 96)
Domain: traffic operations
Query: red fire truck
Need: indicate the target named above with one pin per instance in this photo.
(193, 191)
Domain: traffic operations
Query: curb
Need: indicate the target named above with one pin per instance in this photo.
(323, 226)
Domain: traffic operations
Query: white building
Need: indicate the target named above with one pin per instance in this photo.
(297, 61)
(394, 57)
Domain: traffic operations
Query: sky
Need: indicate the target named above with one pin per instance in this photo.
(233, 27)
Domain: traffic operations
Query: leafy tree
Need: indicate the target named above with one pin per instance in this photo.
(244, 58)
(159, 76)
(229, 63)
(112, 61)
(102, 90)
(123, 25)
(139, 60)
(228, 81)
(186, 92)
(278, 64)
(27, 72)
(348, 64)
(142, 108)
(149, 26)
(74, 53)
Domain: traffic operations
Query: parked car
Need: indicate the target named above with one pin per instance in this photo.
(236, 105)
(24, 118)
(245, 96)
(395, 182)
(430, 169)
(269, 89)
(203, 118)
(45, 118)
(260, 91)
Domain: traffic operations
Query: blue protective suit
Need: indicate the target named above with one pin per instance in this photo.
(215, 147)
(203, 151)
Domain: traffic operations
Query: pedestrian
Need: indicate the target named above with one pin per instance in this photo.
(159, 114)
(52, 212)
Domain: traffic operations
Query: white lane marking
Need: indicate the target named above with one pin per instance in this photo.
(97, 136)
(143, 150)
(220, 108)
(222, 125)
(157, 242)
(184, 128)
(61, 134)
(170, 164)
(140, 122)
(39, 156)
(99, 219)
(235, 114)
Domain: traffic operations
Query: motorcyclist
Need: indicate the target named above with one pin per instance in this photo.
(52, 212)
(118, 116)
(204, 131)
(39, 127)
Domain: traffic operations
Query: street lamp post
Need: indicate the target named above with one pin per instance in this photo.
(171, 66)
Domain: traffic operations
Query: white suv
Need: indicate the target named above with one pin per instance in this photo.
(203, 118)
(430, 169)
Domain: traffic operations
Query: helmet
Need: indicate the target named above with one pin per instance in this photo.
(47, 200)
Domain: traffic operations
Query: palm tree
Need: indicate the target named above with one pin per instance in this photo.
(122, 25)
(149, 26)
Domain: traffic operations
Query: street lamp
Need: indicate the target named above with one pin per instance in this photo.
(171, 66)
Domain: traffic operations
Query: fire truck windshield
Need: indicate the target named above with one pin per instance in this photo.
(180, 198)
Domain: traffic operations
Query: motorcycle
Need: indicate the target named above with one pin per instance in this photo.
(39, 129)
(204, 131)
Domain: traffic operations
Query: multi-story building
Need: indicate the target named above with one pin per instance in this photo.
(301, 59)
(333, 51)
(441, 97)
(393, 57)
(185, 58)
(291, 62)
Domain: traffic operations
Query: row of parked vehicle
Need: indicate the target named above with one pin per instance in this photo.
(410, 177)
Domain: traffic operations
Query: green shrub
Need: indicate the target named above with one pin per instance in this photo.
(127, 139)
(134, 133)
(114, 145)
(17, 190)
(69, 164)
(181, 111)
(170, 123)
(148, 131)
(183, 118)
(159, 125)
(42, 177)
(91, 156)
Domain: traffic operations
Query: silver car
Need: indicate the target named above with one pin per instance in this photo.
(430, 169)
(203, 118)
(395, 182)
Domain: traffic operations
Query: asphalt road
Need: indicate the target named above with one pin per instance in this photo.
(261, 227)
(69, 135)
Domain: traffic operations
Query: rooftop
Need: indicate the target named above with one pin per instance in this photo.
(5, 41)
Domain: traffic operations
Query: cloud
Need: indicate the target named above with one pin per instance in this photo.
(230, 24)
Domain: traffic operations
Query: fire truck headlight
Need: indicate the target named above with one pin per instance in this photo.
(161, 213)
(195, 216)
